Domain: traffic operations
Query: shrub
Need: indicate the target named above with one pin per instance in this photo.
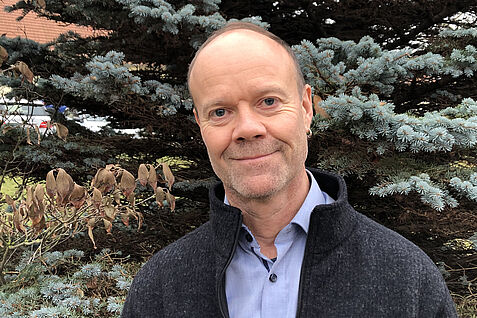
(58, 210)
(86, 289)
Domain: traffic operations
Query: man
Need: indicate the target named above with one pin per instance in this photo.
(282, 241)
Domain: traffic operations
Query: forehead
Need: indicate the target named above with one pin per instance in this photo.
(243, 41)
(239, 52)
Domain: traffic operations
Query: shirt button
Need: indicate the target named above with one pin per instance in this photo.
(249, 237)
(272, 278)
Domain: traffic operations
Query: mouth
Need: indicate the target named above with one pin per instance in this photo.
(254, 157)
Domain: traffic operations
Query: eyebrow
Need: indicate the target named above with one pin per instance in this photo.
(271, 89)
(213, 103)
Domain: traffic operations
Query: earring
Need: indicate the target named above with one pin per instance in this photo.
(309, 133)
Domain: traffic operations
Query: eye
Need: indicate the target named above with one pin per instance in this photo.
(269, 101)
(220, 112)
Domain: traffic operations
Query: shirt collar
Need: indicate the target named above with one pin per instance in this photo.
(314, 197)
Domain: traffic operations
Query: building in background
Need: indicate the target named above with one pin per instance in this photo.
(33, 27)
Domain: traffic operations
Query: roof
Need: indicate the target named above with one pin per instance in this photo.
(34, 27)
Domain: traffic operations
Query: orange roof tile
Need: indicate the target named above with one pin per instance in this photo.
(34, 27)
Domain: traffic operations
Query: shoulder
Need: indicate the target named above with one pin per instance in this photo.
(387, 243)
(379, 243)
(391, 250)
(187, 249)
(166, 272)
(406, 264)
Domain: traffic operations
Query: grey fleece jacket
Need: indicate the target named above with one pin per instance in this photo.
(353, 267)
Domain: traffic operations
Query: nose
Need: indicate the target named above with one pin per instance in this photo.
(248, 126)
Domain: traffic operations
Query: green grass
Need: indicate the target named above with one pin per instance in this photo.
(9, 187)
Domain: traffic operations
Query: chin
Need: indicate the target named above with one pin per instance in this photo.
(256, 188)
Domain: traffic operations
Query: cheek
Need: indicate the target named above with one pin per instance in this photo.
(289, 125)
(216, 141)
(292, 115)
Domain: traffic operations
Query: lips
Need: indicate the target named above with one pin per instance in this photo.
(253, 157)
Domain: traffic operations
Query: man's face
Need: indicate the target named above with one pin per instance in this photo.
(251, 115)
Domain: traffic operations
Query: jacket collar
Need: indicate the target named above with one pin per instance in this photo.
(329, 223)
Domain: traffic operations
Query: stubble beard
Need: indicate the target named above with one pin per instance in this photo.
(259, 182)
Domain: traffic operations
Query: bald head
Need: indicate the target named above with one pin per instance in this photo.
(255, 32)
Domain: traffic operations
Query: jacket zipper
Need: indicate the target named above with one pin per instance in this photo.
(221, 288)
(300, 285)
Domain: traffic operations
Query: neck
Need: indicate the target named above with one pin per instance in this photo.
(266, 217)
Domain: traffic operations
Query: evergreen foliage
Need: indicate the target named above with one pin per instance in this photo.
(394, 92)
(429, 192)
(467, 188)
(41, 288)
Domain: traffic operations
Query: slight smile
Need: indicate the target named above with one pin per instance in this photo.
(253, 158)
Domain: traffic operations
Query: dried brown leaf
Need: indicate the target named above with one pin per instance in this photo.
(152, 177)
(38, 223)
(160, 196)
(77, 196)
(38, 197)
(38, 135)
(90, 224)
(112, 166)
(80, 292)
(61, 131)
(97, 197)
(104, 180)
(140, 220)
(29, 196)
(41, 4)
(28, 136)
(142, 174)
(171, 200)
(65, 185)
(94, 181)
(117, 196)
(108, 226)
(23, 211)
(24, 70)
(168, 175)
(110, 212)
(318, 109)
(3, 55)
(125, 218)
(128, 183)
(18, 221)
(51, 184)
(39, 193)
(131, 199)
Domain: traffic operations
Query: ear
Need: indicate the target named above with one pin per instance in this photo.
(307, 105)
(196, 116)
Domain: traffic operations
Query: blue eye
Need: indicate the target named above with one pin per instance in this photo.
(219, 112)
(269, 101)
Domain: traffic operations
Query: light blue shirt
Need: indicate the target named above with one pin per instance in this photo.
(258, 287)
